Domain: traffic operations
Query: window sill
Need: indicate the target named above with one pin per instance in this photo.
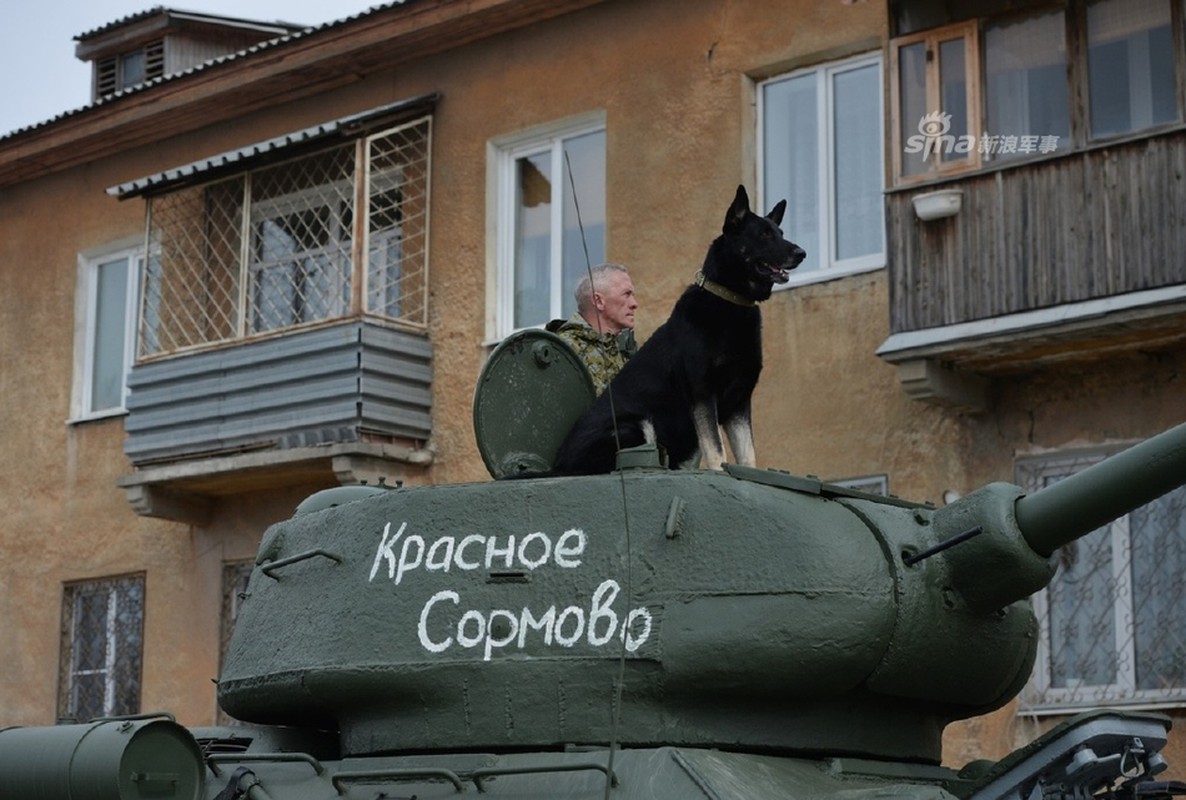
(97, 416)
(829, 274)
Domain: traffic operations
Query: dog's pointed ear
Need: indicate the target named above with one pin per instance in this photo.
(737, 211)
(776, 213)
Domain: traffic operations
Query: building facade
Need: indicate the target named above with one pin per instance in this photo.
(281, 266)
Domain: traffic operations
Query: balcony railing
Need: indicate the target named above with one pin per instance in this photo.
(1056, 258)
(1093, 225)
(1066, 258)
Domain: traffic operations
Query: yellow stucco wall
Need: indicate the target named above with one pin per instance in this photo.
(676, 84)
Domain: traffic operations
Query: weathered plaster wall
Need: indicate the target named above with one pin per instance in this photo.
(675, 81)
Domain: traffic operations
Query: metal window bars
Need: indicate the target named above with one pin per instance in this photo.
(102, 635)
(1113, 621)
(284, 245)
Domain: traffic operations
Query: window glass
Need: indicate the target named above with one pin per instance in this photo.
(385, 259)
(1080, 616)
(1130, 60)
(912, 82)
(1026, 84)
(1158, 532)
(953, 91)
(302, 233)
(300, 265)
(792, 161)
(586, 156)
(132, 69)
(110, 329)
(822, 152)
(546, 245)
(533, 241)
(857, 206)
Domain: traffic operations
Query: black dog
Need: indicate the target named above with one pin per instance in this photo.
(698, 370)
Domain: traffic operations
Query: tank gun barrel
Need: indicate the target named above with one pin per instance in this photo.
(1015, 534)
(1077, 505)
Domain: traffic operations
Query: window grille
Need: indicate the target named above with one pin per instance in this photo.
(302, 224)
(102, 640)
(1113, 620)
(282, 246)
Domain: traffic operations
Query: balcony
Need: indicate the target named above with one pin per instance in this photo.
(1063, 259)
(283, 327)
(346, 402)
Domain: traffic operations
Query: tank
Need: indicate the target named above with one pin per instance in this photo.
(649, 633)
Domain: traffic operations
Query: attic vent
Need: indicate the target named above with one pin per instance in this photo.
(154, 59)
(130, 68)
(106, 76)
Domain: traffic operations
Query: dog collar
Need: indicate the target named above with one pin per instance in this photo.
(723, 292)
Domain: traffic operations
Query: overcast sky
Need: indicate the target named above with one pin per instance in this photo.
(40, 77)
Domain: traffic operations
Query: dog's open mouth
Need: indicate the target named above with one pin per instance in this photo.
(778, 274)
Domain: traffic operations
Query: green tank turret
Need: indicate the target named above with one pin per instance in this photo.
(648, 633)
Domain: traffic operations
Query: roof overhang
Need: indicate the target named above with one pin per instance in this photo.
(281, 71)
(278, 148)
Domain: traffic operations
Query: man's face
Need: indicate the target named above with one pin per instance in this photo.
(615, 302)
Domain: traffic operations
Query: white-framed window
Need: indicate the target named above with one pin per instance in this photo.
(550, 217)
(1113, 620)
(821, 149)
(102, 646)
(299, 269)
(109, 289)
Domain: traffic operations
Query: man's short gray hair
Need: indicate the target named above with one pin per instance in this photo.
(584, 291)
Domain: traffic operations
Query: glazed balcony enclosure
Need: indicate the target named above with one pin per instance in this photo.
(1038, 207)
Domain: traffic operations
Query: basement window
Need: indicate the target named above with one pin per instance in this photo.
(102, 647)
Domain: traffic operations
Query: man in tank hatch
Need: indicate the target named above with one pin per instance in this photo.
(601, 331)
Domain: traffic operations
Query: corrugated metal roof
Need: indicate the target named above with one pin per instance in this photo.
(279, 25)
(243, 157)
(147, 85)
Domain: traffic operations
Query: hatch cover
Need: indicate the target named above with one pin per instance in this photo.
(530, 392)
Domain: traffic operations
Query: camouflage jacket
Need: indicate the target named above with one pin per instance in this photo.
(602, 354)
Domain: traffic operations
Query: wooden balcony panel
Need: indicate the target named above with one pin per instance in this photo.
(1096, 224)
